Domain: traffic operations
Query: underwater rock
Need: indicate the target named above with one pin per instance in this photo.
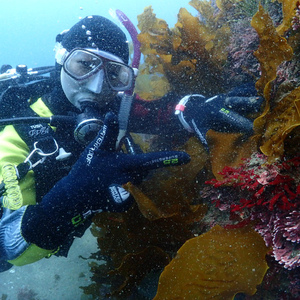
(267, 194)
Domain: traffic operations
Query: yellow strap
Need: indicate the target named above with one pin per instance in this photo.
(14, 151)
(32, 254)
(13, 198)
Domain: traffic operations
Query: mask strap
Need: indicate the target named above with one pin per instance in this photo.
(61, 53)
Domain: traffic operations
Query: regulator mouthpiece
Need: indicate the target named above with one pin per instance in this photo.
(89, 123)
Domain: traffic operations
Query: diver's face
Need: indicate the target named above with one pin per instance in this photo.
(93, 89)
(95, 76)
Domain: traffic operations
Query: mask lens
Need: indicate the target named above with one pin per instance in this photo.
(81, 64)
(119, 76)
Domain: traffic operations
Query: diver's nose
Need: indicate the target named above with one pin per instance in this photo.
(95, 83)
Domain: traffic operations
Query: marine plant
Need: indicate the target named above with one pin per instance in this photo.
(251, 185)
(179, 55)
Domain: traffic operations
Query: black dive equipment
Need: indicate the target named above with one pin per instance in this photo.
(21, 74)
(22, 84)
(88, 123)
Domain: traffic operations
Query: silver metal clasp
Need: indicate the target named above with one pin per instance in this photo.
(40, 152)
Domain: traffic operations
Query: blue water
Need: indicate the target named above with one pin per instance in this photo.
(29, 27)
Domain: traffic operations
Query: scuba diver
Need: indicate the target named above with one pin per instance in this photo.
(61, 159)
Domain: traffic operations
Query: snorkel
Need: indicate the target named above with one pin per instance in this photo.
(136, 44)
(127, 97)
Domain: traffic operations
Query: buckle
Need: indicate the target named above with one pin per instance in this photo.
(180, 108)
(41, 153)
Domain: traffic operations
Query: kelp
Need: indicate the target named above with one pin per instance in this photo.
(131, 236)
(272, 51)
(155, 36)
(288, 9)
(216, 265)
(190, 57)
(281, 121)
(135, 266)
(281, 114)
(228, 149)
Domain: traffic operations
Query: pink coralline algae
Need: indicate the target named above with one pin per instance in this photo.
(282, 233)
(268, 195)
(286, 247)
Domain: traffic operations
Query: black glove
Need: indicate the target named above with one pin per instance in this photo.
(222, 113)
(93, 185)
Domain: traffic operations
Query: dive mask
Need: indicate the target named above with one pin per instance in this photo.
(80, 64)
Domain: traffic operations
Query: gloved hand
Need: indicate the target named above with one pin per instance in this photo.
(223, 113)
(93, 185)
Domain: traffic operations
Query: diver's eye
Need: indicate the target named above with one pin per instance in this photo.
(80, 63)
(114, 75)
(90, 65)
(82, 66)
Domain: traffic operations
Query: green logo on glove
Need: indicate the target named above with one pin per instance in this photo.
(173, 161)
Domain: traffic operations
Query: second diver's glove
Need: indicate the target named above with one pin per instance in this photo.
(221, 113)
(94, 184)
